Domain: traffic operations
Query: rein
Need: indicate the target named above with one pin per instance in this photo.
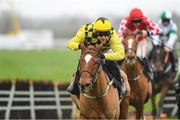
(104, 94)
(94, 76)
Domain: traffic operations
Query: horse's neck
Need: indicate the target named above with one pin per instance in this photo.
(100, 85)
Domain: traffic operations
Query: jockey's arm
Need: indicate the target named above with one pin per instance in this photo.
(117, 48)
(155, 40)
(153, 28)
(122, 31)
(74, 42)
(172, 39)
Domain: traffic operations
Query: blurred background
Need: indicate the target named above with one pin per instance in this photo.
(33, 37)
(56, 20)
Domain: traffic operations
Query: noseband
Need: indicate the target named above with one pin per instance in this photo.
(128, 49)
(133, 58)
(93, 75)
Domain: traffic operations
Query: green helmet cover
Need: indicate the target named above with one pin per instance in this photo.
(166, 15)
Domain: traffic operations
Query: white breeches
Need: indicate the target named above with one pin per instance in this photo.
(141, 49)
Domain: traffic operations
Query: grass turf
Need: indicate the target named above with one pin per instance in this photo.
(55, 65)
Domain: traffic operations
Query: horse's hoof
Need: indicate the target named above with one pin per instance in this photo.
(163, 116)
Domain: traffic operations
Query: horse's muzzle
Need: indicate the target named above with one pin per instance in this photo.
(86, 87)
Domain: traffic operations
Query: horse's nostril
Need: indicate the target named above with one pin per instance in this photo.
(82, 86)
(87, 84)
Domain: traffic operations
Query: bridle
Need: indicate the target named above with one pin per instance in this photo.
(93, 75)
(130, 59)
(128, 49)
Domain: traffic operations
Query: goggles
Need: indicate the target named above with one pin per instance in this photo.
(166, 20)
(106, 33)
(136, 21)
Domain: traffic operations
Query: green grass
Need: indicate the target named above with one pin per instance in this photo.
(55, 65)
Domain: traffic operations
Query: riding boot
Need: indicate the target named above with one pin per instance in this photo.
(113, 69)
(174, 61)
(73, 88)
(147, 68)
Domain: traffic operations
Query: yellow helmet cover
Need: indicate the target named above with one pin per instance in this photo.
(102, 24)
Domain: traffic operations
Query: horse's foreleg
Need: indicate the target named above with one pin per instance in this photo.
(149, 91)
(154, 108)
(140, 112)
(124, 108)
(153, 101)
(125, 101)
(163, 93)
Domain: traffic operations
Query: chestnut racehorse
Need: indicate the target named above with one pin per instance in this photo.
(99, 98)
(139, 84)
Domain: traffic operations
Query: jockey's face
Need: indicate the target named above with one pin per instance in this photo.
(136, 22)
(166, 22)
(103, 35)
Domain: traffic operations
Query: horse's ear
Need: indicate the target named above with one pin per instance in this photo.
(82, 46)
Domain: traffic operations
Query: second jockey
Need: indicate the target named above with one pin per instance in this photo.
(135, 23)
(168, 35)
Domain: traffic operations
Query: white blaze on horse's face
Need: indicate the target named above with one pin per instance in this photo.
(158, 51)
(87, 58)
(130, 41)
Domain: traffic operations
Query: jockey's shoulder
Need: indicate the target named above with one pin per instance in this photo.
(146, 20)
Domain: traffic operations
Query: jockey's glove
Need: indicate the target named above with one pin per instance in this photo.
(144, 33)
(101, 55)
(79, 46)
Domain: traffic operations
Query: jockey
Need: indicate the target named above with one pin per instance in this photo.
(141, 25)
(92, 34)
(168, 34)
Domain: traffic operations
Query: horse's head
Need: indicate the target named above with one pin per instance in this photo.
(130, 46)
(89, 66)
(158, 58)
(131, 64)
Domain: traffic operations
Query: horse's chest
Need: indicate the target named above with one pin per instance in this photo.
(96, 114)
(97, 110)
